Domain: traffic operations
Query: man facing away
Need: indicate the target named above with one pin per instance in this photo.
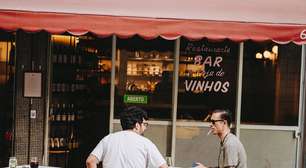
(127, 148)
(232, 153)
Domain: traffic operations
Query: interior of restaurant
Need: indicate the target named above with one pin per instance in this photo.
(7, 74)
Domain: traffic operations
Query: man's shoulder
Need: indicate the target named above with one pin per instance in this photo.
(117, 133)
(232, 140)
(113, 135)
(140, 138)
(127, 134)
(232, 137)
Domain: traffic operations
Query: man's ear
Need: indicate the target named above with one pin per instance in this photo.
(137, 125)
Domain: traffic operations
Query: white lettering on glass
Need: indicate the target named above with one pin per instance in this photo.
(303, 35)
(197, 86)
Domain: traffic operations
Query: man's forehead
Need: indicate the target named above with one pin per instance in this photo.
(216, 116)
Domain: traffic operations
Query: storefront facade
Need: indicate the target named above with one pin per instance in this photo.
(255, 90)
(177, 75)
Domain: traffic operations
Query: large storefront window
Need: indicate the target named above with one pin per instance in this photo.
(79, 114)
(144, 76)
(7, 76)
(271, 82)
(207, 77)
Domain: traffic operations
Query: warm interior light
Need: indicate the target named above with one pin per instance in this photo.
(77, 40)
(5, 48)
(65, 40)
(275, 49)
(270, 55)
(267, 54)
(258, 56)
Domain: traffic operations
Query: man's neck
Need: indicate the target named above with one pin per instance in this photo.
(224, 134)
(135, 130)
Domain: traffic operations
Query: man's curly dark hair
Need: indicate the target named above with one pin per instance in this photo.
(132, 115)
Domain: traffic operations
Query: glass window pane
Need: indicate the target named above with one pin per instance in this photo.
(193, 144)
(207, 77)
(7, 76)
(159, 134)
(80, 97)
(144, 75)
(271, 81)
(265, 148)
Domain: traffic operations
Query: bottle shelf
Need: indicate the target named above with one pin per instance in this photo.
(71, 68)
(58, 151)
(79, 64)
(131, 77)
(151, 59)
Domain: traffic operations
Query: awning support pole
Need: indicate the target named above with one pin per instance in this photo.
(175, 97)
(112, 92)
(239, 90)
(300, 139)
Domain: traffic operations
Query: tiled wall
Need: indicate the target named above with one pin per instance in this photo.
(32, 49)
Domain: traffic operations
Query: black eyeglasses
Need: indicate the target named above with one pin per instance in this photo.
(145, 124)
(214, 121)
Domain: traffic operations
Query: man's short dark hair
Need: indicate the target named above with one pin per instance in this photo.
(225, 115)
(132, 115)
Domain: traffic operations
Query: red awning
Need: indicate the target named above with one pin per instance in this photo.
(193, 25)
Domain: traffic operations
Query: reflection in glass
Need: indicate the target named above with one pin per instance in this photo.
(7, 76)
(80, 97)
(144, 75)
(271, 83)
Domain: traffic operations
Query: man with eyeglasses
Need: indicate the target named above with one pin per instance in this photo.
(231, 153)
(127, 148)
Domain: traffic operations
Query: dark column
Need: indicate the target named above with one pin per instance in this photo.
(32, 51)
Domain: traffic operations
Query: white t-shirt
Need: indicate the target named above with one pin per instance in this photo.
(127, 149)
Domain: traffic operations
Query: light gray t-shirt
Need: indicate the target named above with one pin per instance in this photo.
(232, 153)
(127, 149)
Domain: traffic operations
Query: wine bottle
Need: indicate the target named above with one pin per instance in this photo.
(61, 143)
(72, 88)
(79, 57)
(57, 113)
(52, 135)
(56, 143)
(63, 113)
(64, 55)
(54, 54)
(73, 57)
(60, 55)
(75, 142)
(68, 116)
(54, 87)
(51, 143)
(51, 116)
(58, 87)
(62, 87)
(72, 113)
(70, 142)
